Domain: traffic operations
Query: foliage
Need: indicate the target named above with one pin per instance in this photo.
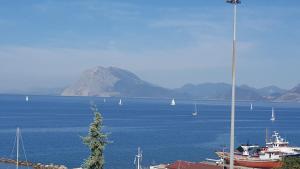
(96, 141)
(291, 163)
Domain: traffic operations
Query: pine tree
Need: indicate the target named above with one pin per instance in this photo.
(96, 141)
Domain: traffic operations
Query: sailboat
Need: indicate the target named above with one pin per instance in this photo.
(104, 100)
(173, 102)
(17, 144)
(120, 102)
(138, 159)
(273, 115)
(251, 107)
(27, 98)
(195, 111)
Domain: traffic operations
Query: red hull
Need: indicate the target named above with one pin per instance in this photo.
(257, 163)
(253, 162)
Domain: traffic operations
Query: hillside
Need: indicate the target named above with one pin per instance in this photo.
(291, 95)
(112, 81)
(116, 82)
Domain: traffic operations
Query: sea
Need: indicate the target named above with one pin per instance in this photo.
(52, 128)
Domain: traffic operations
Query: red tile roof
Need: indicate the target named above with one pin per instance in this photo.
(191, 165)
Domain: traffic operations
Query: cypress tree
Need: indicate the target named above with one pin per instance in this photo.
(96, 141)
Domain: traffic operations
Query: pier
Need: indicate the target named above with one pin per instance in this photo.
(32, 165)
(195, 165)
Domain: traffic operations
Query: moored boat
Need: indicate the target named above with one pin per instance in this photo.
(251, 161)
(269, 156)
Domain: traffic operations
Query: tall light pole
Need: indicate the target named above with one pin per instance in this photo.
(234, 2)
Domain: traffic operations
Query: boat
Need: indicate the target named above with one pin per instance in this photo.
(277, 143)
(268, 156)
(195, 111)
(251, 161)
(138, 159)
(104, 100)
(173, 102)
(251, 107)
(120, 102)
(27, 98)
(17, 144)
(273, 115)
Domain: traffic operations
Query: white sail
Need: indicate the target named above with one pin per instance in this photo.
(273, 115)
(27, 98)
(251, 106)
(104, 100)
(195, 111)
(120, 102)
(173, 102)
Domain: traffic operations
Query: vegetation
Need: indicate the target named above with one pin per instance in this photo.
(96, 141)
(291, 163)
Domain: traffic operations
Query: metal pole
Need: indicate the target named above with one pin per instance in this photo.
(18, 131)
(233, 90)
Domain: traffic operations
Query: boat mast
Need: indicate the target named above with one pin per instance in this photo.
(138, 157)
(18, 134)
(266, 135)
(234, 2)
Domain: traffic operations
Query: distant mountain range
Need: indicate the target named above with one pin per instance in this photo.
(116, 82)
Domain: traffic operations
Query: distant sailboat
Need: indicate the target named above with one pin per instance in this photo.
(173, 102)
(273, 115)
(195, 111)
(27, 98)
(120, 102)
(104, 100)
(251, 106)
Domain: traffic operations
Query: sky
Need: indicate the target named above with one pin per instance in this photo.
(48, 43)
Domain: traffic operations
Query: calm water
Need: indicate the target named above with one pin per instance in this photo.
(51, 128)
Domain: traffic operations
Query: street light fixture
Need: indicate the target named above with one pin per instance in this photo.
(231, 164)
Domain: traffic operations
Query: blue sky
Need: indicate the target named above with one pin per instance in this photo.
(167, 42)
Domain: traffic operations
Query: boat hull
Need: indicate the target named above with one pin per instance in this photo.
(252, 162)
(266, 164)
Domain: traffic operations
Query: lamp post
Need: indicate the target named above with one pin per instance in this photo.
(234, 3)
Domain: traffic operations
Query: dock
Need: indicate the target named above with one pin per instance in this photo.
(32, 165)
(195, 165)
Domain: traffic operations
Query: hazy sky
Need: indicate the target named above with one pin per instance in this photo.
(167, 42)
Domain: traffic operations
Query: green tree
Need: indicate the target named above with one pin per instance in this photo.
(96, 141)
(291, 163)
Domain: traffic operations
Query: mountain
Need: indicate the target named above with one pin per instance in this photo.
(271, 92)
(205, 90)
(219, 91)
(116, 82)
(291, 95)
(112, 81)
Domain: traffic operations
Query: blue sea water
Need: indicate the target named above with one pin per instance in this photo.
(52, 128)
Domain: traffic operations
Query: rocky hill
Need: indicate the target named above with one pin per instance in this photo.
(219, 91)
(115, 82)
(112, 81)
(291, 95)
